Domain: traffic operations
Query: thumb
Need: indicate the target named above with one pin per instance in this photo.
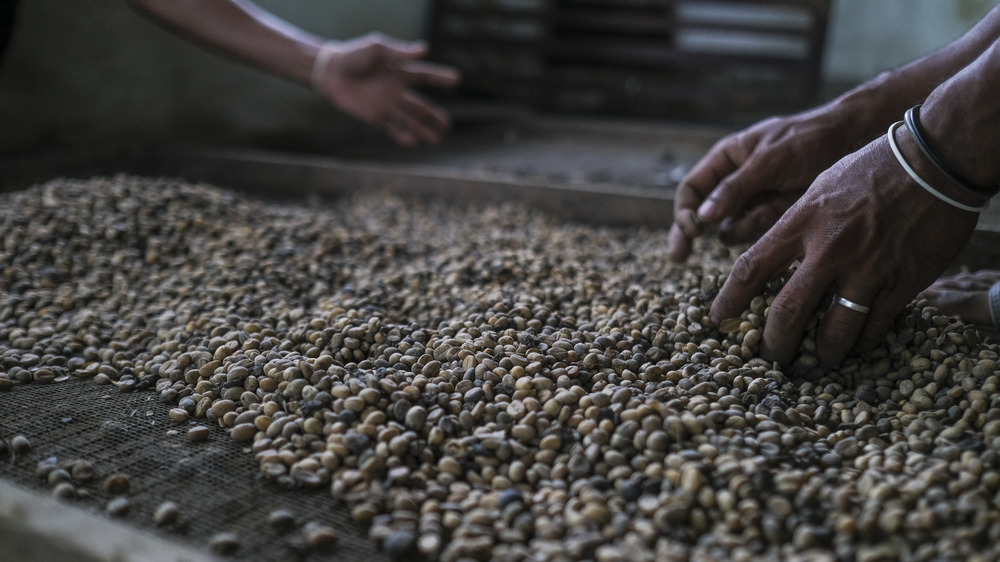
(730, 196)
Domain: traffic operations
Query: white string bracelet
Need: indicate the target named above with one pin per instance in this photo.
(320, 63)
(920, 181)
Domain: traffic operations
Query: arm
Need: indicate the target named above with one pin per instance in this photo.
(241, 30)
(871, 107)
(748, 179)
(368, 77)
(866, 231)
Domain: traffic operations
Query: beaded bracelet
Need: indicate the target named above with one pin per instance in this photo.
(921, 182)
(912, 120)
(320, 63)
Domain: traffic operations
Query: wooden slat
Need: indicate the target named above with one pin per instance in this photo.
(262, 171)
(652, 35)
(631, 24)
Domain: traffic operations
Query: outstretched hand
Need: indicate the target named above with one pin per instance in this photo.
(965, 295)
(371, 78)
(748, 179)
(865, 231)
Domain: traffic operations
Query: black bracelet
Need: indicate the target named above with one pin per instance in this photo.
(912, 120)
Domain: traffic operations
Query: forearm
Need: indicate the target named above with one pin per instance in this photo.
(242, 30)
(962, 120)
(871, 107)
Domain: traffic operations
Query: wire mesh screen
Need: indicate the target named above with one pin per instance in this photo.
(719, 61)
(215, 484)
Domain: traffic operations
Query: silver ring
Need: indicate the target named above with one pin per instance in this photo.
(851, 304)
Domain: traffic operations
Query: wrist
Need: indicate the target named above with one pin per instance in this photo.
(912, 121)
(321, 64)
(933, 180)
(960, 121)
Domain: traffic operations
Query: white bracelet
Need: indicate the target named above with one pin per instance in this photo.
(320, 63)
(920, 181)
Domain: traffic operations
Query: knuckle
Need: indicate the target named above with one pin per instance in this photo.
(725, 142)
(785, 308)
(723, 191)
(746, 268)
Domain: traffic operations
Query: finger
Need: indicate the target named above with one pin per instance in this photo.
(430, 74)
(725, 170)
(734, 192)
(687, 225)
(763, 262)
(736, 230)
(960, 285)
(418, 131)
(970, 307)
(978, 281)
(760, 214)
(397, 48)
(424, 111)
(841, 328)
(399, 56)
(679, 244)
(991, 275)
(970, 285)
(953, 281)
(408, 49)
(705, 175)
(885, 308)
(932, 293)
(790, 311)
(398, 133)
(422, 122)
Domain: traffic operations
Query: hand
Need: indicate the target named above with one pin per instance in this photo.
(965, 295)
(370, 78)
(863, 230)
(748, 179)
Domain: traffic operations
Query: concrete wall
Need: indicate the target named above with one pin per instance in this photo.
(866, 37)
(94, 72)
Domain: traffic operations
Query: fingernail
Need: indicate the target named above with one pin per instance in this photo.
(676, 250)
(707, 210)
(715, 316)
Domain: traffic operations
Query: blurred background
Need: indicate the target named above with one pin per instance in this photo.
(93, 72)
